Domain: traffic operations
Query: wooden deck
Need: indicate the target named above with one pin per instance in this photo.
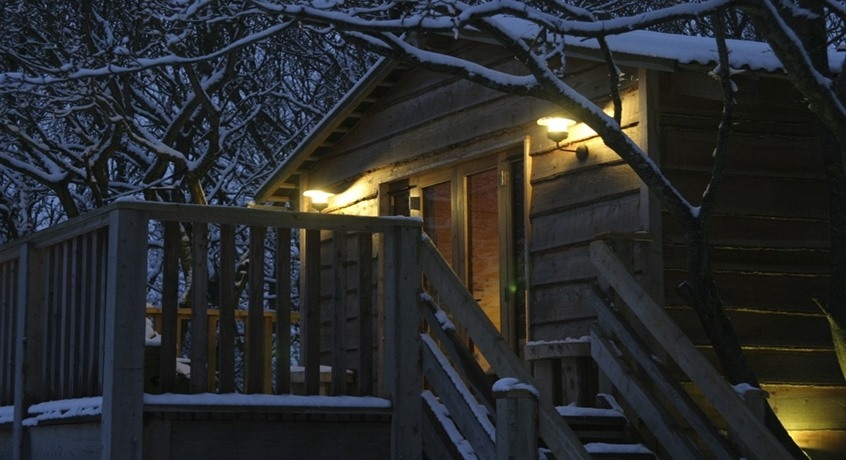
(79, 294)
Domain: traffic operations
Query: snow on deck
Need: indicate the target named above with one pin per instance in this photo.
(92, 406)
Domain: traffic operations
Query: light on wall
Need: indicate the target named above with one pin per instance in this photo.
(557, 129)
(319, 198)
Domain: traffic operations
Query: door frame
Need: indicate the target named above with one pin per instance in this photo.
(504, 161)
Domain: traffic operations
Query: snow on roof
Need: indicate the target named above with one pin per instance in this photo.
(683, 49)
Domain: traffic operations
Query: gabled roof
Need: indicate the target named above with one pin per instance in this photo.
(655, 50)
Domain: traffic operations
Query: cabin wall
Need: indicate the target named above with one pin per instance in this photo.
(769, 236)
(428, 121)
(572, 203)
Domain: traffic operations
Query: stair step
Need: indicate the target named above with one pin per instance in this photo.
(594, 424)
(613, 451)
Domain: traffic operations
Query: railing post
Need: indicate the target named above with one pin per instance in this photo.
(30, 302)
(401, 274)
(516, 420)
(123, 367)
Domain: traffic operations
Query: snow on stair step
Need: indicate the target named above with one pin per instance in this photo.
(593, 424)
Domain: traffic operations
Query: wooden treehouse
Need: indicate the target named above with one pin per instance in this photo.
(525, 305)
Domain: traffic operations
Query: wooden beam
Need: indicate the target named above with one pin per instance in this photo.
(551, 427)
(199, 308)
(170, 306)
(310, 308)
(255, 325)
(645, 405)
(665, 384)
(365, 314)
(403, 379)
(227, 303)
(516, 420)
(283, 311)
(339, 313)
(756, 435)
(468, 415)
(123, 366)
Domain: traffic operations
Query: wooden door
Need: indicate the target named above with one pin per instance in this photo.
(467, 211)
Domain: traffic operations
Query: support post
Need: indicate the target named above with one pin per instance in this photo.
(123, 367)
(28, 318)
(403, 378)
(516, 423)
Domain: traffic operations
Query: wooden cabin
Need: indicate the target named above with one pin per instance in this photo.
(515, 216)
(525, 320)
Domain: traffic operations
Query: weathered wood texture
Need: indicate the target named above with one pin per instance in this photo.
(8, 328)
(459, 304)
(724, 399)
(273, 436)
(56, 297)
(427, 120)
(769, 233)
(84, 287)
(573, 201)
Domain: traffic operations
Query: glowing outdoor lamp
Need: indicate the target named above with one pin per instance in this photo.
(557, 129)
(319, 198)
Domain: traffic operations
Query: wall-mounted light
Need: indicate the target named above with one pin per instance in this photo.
(319, 198)
(557, 129)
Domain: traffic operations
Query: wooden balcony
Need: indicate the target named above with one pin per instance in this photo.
(73, 302)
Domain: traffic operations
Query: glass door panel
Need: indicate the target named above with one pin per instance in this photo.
(483, 244)
(437, 217)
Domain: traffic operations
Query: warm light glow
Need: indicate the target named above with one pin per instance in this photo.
(319, 198)
(556, 127)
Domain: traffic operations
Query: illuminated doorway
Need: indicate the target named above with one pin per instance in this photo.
(473, 214)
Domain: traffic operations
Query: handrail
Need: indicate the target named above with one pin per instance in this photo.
(559, 437)
(754, 434)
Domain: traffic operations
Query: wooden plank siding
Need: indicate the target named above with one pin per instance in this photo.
(427, 121)
(770, 239)
(573, 201)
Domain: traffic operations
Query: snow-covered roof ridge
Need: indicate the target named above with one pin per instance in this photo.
(683, 49)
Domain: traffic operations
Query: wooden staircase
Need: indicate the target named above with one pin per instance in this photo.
(463, 419)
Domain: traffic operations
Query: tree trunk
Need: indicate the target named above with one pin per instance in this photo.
(700, 292)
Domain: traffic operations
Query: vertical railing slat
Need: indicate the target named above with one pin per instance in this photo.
(255, 335)
(74, 304)
(365, 314)
(199, 308)
(339, 312)
(51, 339)
(102, 277)
(283, 311)
(30, 306)
(8, 337)
(310, 312)
(226, 322)
(170, 305)
(85, 306)
(64, 321)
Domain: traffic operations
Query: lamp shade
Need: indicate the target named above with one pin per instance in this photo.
(556, 127)
(319, 198)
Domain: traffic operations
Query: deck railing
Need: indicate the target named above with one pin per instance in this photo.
(78, 293)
